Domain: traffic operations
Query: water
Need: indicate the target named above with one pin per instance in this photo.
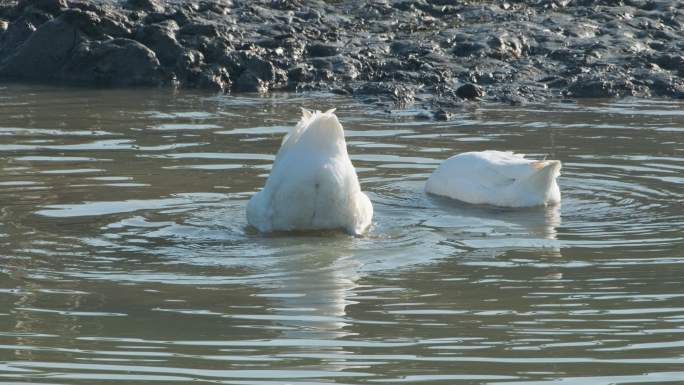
(125, 256)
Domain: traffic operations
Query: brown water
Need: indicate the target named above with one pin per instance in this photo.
(125, 257)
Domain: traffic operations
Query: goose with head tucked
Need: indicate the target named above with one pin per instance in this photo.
(313, 184)
(497, 178)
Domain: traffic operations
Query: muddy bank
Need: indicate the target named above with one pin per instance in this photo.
(432, 52)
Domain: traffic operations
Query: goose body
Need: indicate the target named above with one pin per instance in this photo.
(497, 178)
(313, 184)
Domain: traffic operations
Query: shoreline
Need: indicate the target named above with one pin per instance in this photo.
(437, 54)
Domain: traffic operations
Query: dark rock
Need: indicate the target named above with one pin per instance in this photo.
(145, 5)
(116, 62)
(7, 11)
(404, 48)
(15, 35)
(87, 22)
(375, 89)
(218, 7)
(97, 7)
(161, 39)
(565, 55)
(670, 61)
(263, 69)
(555, 81)
(310, 14)
(505, 47)
(36, 16)
(342, 91)
(215, 49)
(325, 75)
(43, 53)
(109, 26)
(322, 63)
(467, 49)
(188, 63)
(401, 95)
(442, 115)
(470, 91)
(322, 50)
(156, 17)
(649, 6)
(300, 73)
(208, 30)
(660, 84)
(239, 62)
(181, 17)
(600, 87)
(285, 5)
(50, 6)
(344, 67)
(249, 82)
(215, 78)
(269, 43)
(234, 61)
(423, 115)
(379, 51)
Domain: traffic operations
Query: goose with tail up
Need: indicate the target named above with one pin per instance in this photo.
(313, 184)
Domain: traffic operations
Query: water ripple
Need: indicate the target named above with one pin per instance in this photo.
(125, 254)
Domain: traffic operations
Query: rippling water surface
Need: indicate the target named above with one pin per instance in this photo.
(125, 255)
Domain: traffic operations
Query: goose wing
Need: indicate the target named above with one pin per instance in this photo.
(493, 169)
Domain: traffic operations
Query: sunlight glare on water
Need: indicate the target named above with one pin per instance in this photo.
(125, 255)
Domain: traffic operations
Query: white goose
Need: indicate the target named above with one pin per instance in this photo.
(313, 184)
(497, 178)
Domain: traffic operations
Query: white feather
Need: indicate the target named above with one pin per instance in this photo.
(313, 184)
(497, 178)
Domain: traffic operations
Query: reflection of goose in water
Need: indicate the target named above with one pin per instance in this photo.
(310, 296)
(30, 327)
(532, 226)
(26, 322)
(435, 217)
